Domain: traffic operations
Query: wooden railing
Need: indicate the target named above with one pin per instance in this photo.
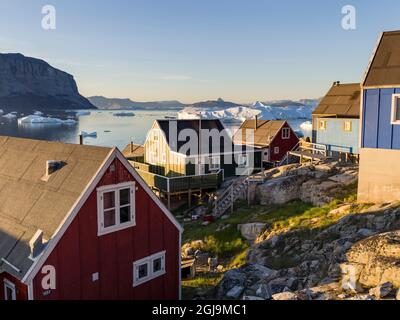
(182, 184)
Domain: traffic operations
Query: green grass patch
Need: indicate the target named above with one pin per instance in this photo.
(203, 282)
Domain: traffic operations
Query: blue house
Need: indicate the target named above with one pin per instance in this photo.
(336, 119)
(379, 178)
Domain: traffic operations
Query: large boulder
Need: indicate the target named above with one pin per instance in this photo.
(281, 190)
(251, 231)
(377, 260)
(232, 278)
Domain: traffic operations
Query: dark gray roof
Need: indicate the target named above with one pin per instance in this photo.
(262, 136)
(28, 202)
(342, 100)
(384, 69)
(195, 124)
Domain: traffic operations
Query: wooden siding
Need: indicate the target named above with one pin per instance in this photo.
(81, 253)
(174, 164)
(284, 145)
(377, 130)
(20, 288)
(335, 137)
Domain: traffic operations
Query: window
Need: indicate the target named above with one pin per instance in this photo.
(214, 163)
(242, 160)
(396, 109)
(286, 133)
(322, 125)
(115, 207)
(348, 126)
(276, 150)
(148, 268)
(9, 291)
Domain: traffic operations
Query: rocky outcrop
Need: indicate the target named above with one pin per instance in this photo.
(29, 83)
(355, 258)
(310, 183)
(375, 260)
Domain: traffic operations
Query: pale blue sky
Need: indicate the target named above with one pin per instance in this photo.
(193, 50)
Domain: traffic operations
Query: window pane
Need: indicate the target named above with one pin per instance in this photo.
(109, 218)
(397, 115)
(9, 293)
(125, 214)
(109, 200)
(142, 272)
(124, 196)
(157, 263)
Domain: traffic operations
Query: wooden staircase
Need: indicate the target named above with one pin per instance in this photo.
(238, 189)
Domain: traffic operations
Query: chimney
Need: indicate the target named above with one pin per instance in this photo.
(81, 139)
(336, 83)
(36, 244)
(131, 146)
(52, 166)
(256, 123)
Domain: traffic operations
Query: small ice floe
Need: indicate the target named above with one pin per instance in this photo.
(306, 126)
(10, 116)
(1, 111)
(124, 114)
(35, 119)
(88, 134)
(82, 113)
(38, 113)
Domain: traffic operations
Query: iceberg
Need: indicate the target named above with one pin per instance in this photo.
(306, 126)
(10, 116)
(242, 113)
(123, 114)
(34, 119)
(82, 113)
(38, 113)
(88, 134)
(1, 111)
(234, 113)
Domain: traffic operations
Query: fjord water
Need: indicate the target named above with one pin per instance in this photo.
(111, 130)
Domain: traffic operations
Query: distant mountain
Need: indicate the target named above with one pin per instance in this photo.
(117, 103)
(217, 104)
(291, 103)
(29, 83)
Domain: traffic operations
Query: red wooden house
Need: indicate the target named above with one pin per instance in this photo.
(274, 137)
(78, 222)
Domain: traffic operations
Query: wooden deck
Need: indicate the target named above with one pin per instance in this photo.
(304, 154)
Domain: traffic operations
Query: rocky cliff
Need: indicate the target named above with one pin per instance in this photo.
(29, 83)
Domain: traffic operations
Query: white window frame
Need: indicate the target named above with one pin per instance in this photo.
(9, 285)
(150, 271)
(286, 133)
(394, 116)
(214, 163)
(323, 126)
(349, 128)
(276, 150)
(100, 211)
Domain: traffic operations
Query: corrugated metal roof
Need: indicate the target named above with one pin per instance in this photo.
(385, 66)
(262, 136)
(342, 100)
(28, 203)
